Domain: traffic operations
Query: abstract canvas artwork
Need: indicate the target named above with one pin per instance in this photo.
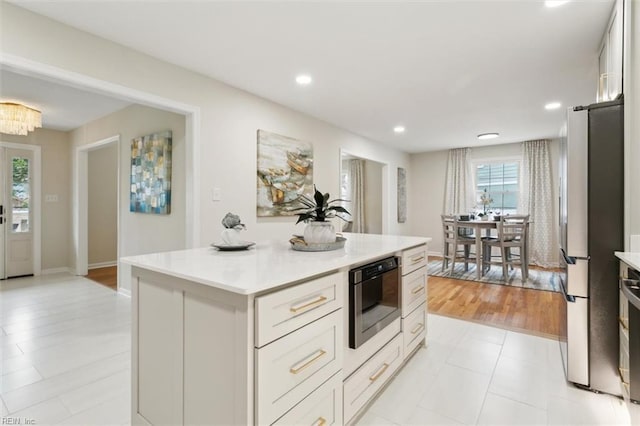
(285, 171)
(151, 174)
(402, 195)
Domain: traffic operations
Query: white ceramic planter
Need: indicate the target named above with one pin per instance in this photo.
(319, 233)
(231, 236)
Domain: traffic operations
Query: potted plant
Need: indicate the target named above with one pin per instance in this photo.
(315, 214)
(233, 225)
(485, 200)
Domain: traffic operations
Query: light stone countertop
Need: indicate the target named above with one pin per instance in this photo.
(630, 258)
(269, 264)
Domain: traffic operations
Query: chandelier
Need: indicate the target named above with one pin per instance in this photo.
(17, 119)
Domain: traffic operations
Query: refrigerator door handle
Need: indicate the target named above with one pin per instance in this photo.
(567, 297)
(571, 260)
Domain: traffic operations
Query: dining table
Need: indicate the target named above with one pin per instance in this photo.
(487, 225)
(478, 226)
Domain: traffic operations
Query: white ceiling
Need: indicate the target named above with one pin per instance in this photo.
(446, 70)
(63, 107)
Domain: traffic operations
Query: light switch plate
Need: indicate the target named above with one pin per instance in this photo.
(216, 194)
(51, 198)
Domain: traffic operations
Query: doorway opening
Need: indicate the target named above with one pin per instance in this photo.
(364, 183)
(20, 215)
(99, 213)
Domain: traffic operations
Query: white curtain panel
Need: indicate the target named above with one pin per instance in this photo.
(458, 192)
(537, 201)
(356, 175)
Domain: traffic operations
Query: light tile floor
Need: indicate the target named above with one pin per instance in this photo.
(65, 359)
(475, 374)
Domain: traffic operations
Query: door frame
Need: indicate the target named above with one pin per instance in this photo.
(386, 179)
(36, 203)
(81, 206)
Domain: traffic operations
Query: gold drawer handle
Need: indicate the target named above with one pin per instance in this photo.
(320, 422)
(416, 259)
(417, 289)
(379, 373)
(319, 300)
(418, 328)
(298, 368)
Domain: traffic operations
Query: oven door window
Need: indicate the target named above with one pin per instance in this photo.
(380, 298)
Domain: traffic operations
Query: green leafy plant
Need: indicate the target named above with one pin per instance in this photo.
(319, 209)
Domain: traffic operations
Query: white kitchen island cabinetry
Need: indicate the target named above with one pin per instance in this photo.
(258, 336)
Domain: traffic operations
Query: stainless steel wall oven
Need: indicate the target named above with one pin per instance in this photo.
(374, 299)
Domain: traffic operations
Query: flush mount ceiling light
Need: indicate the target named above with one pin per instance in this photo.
(484, 136)
(399, 129)
(555, 3)
(303, 79)
(17, 119)
(552, 105)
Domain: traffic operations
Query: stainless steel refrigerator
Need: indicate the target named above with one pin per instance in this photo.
(591, 229)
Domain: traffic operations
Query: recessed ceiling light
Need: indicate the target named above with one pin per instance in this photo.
(484, 136)
(303, 79)
(553, 105)
(555, 3)
(399, 129)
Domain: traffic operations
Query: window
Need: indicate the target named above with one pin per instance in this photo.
(501, 181)
(20, 194)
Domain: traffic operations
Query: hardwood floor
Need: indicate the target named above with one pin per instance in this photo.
(107, 276)
(513, 308)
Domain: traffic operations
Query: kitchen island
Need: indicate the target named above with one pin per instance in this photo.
(261, 336)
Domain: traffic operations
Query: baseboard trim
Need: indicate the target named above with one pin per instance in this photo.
(103, 264)
(55, 270)
(124, 292)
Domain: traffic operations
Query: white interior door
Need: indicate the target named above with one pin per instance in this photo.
(18, 195)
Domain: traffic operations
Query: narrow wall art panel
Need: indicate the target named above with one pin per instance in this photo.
(402, 195)
(151, 174)
(285, 171)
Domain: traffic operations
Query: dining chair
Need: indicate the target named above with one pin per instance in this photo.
(512, 234)
(455, 235)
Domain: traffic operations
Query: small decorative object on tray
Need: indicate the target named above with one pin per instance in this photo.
(298, 243)
(315, 214)
(231, 234)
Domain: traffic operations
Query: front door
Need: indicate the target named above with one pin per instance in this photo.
(16, 198)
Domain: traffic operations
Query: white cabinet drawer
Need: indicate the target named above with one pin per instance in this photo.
(414, 290)
(291, 368)
(322, 408)
(414, 328)
(360, 387)
(413, 259)
(287, 310)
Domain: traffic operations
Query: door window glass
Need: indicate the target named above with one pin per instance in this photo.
(20, 194)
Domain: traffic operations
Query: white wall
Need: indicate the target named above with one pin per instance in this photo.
(428, 180)
(229, 121)
(102, 188)
(56, 175)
